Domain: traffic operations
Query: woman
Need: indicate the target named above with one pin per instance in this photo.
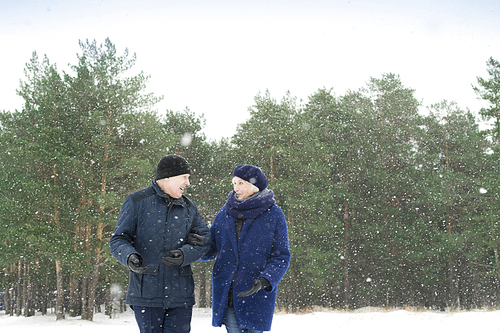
(250, 248)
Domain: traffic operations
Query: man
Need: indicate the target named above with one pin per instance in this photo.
(159, 233)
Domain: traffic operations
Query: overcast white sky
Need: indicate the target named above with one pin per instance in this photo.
(215, 56)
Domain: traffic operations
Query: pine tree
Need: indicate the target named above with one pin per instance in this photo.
(117, 149)
(380, 223)
(86, 141)
(486, 231)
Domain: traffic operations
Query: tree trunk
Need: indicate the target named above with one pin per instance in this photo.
(60, 292)
(92, 291)
(75, 297)
(18, 296)
(84, 288)
(32, 297)
(86, 278)
(45, 297)
(8, 302)
(26, 294)
(497, 261)
(95, 274)
(452, 290)
(108, 307)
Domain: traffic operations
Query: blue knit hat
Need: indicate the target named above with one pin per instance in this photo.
(252, 174)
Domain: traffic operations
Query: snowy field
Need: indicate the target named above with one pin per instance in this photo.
(365, 320)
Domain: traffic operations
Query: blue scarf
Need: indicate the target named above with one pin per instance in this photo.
(252, 207)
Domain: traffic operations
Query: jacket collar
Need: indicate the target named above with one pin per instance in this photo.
(180, 201)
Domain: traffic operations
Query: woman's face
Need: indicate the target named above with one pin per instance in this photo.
(243, 189)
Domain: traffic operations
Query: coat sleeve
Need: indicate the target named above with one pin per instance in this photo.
(193, 253)
(279, 259)
(212, 252)
(121, 240)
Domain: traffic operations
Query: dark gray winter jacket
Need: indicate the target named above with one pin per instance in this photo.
(151, 226)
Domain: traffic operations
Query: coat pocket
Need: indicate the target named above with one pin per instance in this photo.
(185, 270)
(150, 286)
(186, 281)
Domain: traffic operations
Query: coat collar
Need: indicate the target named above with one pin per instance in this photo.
(251, 207)
(180, 201)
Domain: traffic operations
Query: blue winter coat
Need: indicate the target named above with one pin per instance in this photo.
(262, 251)
(149, 226)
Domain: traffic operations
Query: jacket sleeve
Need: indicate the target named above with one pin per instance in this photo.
(212, 252)
(121, 240)
(193, 253)
(279, 259)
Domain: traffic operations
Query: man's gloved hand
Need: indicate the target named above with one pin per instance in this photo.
(175, 260)
(194, 239)
(258, 284)
(134, 262)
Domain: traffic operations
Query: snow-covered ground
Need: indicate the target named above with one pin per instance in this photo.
(370, 320)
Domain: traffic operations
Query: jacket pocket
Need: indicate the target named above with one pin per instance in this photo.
(185, 270)
(186, 281)
(150, 286)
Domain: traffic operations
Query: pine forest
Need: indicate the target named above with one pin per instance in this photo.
(386, 206)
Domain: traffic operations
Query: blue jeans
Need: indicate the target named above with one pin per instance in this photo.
(159, 320)
(232, 326)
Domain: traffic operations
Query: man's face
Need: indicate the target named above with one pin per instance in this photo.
(174, 186)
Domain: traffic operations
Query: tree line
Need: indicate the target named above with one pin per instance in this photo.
(385, 206)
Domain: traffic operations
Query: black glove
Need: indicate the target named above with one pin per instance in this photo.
(134, 262)
(195, 239)
(175, 260)
(258, 284)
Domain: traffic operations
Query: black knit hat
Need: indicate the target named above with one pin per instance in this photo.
(252, 174)
(171, 166)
